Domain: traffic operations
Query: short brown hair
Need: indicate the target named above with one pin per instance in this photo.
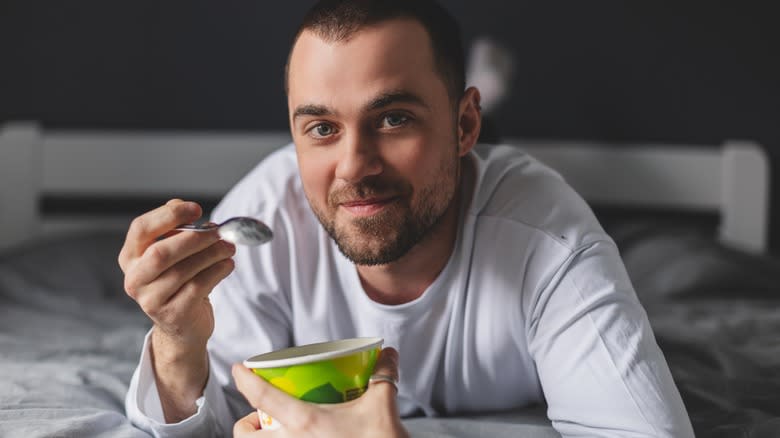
(338, 20)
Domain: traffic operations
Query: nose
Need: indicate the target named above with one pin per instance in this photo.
(360, 158)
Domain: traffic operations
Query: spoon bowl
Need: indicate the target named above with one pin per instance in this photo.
(239, 230)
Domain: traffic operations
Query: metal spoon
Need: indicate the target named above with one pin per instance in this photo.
(240, 230)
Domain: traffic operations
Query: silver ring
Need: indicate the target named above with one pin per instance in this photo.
(383, 378)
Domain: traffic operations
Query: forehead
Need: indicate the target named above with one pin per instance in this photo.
(391, 55)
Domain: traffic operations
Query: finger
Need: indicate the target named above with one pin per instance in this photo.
(173, 262)
(189, 268)
(152, 281)
(194, 291)
(384, 379)
(387, 364)
(246, 426)
(145, 229)
(265, 396)
(165, 307)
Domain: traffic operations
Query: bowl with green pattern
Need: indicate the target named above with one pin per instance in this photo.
(324, 372)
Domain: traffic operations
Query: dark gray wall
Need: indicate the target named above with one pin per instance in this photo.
(698, 72)
(146, 64)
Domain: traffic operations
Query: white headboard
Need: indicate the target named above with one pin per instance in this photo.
(732, 179)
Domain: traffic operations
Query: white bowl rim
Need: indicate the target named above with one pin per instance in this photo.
(309, 353)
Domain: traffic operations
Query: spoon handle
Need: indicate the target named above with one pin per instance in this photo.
(196, 228)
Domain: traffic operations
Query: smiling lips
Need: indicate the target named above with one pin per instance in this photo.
(366, 207)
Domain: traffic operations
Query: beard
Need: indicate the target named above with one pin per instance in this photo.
(405, 221)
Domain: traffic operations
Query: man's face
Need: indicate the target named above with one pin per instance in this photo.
(376, 137)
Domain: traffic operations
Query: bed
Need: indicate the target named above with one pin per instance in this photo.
(691, 222)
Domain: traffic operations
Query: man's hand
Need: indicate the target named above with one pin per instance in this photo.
(374, 414)
(171, 279)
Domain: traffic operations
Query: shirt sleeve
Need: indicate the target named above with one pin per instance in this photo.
(144, 409)
(601, 370)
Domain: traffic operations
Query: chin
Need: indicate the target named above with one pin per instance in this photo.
(370, 250)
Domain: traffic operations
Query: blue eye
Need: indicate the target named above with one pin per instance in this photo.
(323, 130)
(393, 120)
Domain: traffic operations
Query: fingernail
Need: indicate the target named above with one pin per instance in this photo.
(191, 207)
(393, 357)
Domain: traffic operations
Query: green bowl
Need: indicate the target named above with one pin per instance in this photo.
(326, 372)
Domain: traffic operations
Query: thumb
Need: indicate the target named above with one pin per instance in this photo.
(263, 395)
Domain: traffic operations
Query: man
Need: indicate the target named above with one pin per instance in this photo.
(481, 267)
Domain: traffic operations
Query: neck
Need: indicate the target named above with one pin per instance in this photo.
(407, 278)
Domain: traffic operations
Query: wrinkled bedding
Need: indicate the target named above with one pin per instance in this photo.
(715, 312)
(70, 338)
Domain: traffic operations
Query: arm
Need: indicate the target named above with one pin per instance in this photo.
(599, 365)
(170, 279)
(144, 407)
(245, 313)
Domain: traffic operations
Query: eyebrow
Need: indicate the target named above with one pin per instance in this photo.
(386, 99)
(381, 101)
(312, 110)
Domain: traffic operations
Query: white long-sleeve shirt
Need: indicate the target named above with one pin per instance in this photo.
(534, 305)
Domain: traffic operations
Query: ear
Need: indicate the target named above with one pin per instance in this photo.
(469, 120)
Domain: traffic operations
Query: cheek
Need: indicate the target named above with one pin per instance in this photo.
(316, 176)
(421, 162)
(409, 153)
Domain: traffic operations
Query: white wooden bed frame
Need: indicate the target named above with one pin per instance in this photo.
(731, 179)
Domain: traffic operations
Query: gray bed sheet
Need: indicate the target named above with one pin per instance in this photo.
(70, 338)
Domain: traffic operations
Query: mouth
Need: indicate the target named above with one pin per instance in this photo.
(366, 207)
